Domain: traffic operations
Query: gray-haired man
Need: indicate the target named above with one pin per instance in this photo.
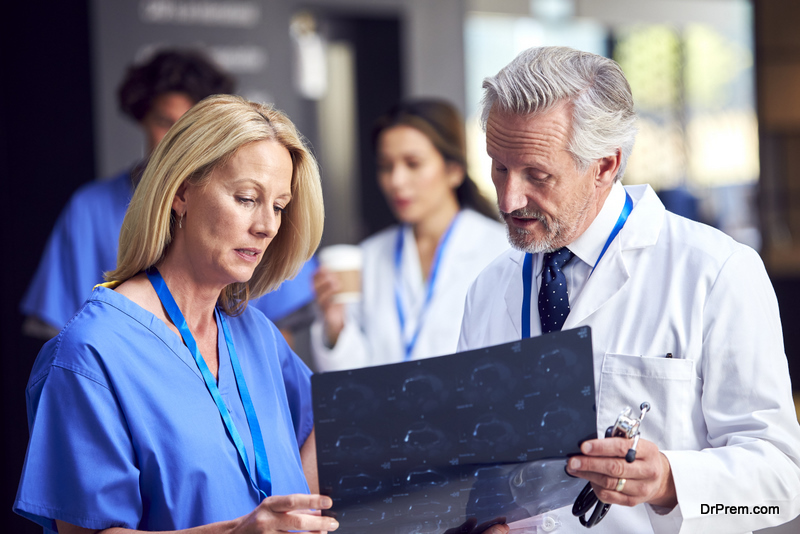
(682, 316)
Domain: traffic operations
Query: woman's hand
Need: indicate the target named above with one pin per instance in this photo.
(471, 526)
(283, 513)
(326, 286)
(279, 513)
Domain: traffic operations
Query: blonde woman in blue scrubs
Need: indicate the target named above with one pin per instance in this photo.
(166, 403)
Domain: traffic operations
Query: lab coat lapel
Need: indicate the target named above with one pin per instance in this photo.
(613, 272)
(606, 281)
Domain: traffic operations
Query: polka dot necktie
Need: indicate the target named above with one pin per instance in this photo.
(553, 298)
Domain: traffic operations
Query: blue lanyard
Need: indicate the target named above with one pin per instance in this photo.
(264, 484)
(398, 257)
(527, 267)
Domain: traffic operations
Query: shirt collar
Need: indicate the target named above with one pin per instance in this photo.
(589, 245)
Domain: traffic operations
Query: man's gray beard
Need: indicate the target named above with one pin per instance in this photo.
(518, 239)
(554, 229)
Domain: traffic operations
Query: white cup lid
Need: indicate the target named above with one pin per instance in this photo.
(341, 257)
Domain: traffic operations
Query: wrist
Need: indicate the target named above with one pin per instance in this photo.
(331, 335)
(667, 496)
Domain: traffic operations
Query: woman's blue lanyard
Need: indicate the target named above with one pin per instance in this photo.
(264, 484)
(398, 258)
(527, 267)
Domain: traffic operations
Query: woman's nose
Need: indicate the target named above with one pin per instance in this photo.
(269, 222)
(396, 177)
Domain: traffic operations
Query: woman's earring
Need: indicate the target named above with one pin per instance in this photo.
(180, 221)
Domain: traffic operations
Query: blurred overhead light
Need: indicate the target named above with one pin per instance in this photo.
(552, 10)
(311, 67)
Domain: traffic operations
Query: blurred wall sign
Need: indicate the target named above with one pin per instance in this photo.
(192, 13)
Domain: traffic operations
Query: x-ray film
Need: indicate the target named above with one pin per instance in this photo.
(426, 445)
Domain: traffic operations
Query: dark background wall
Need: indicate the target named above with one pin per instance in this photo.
(778, 86)
(46, 152)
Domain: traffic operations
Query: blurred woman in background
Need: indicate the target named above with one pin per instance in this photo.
(415, 275)
(166, 403)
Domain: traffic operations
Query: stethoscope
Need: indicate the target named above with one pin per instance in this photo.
(625, 427)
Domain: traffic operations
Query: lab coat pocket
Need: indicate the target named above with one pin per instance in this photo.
(666, 383)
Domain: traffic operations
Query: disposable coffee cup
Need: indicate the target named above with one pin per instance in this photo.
(344, 261)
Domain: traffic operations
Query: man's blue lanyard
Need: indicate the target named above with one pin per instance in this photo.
(527, 267)
(398, 258)
(264, 484)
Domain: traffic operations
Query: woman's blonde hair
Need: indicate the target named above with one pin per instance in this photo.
(203, 139)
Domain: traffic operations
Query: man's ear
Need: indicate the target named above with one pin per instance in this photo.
(607, 169)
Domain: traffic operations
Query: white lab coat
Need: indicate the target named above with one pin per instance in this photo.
(371, 335)
(722, 409)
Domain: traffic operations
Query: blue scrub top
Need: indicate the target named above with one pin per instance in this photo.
(291, 295)
(82, 246)
(123, 431)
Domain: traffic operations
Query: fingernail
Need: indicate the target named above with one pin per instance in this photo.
(334, 524)
(587, 447)
(574, 464)
(327, 502)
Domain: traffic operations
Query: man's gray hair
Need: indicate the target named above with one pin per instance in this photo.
(538, 79)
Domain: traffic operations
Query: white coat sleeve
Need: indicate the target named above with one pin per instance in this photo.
(747, 404)
(350, 351)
